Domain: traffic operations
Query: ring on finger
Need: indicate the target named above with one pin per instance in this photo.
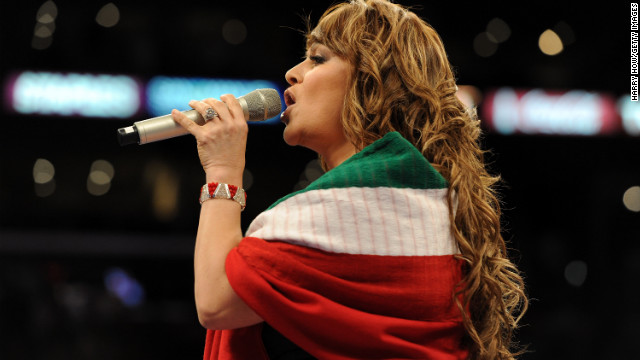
(210, 114)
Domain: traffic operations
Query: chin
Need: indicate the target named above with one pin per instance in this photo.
(289, 138)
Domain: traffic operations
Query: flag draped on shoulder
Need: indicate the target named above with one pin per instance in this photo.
(359, 265)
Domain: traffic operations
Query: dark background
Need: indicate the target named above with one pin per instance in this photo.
(562, 195)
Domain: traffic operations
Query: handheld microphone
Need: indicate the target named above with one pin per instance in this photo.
(258, 105)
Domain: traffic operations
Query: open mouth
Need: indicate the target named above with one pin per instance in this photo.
(288, 98)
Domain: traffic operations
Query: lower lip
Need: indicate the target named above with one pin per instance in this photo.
(284, 117)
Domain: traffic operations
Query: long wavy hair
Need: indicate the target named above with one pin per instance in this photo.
(402, 81)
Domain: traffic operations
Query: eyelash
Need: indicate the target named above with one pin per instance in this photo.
(317, 59)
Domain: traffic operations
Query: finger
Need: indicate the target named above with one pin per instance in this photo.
(234, 106)
(207, 112)
(185, 122)
(219, 107)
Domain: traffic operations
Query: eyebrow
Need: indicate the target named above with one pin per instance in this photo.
(311, 48)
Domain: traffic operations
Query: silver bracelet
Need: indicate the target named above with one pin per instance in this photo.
(216, 190)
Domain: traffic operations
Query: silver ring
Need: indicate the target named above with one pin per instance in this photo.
(210, 114)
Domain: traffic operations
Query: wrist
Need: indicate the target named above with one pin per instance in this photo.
(228, 176)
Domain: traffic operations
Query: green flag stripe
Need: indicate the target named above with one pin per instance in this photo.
(391, 161)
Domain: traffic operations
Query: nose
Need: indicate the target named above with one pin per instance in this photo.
(294, 75)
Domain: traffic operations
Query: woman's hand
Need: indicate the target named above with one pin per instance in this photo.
(221, 140)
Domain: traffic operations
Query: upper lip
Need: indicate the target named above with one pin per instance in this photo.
(289, 99)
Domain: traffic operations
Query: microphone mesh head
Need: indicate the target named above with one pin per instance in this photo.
(263, 104)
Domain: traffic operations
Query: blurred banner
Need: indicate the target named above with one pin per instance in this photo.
(74, 94)
(536, 111)
(116, 96)
(503, 110)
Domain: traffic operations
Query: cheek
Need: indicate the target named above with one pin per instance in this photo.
(337, 107)
(329, 98)
(334, 119)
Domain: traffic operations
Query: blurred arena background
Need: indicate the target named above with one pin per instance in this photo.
(96, 239)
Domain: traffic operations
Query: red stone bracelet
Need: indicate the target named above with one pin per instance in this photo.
(216, 190)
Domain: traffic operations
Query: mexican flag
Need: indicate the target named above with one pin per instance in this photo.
(359, 265)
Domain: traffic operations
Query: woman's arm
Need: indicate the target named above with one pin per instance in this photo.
(217, 304)
(221, 148)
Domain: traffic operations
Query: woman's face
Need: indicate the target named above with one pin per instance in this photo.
(318, 86)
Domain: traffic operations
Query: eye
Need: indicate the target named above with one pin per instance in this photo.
(318, 59)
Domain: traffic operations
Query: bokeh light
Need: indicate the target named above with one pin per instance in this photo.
(100, 176)
(550, 43)
(234, 31)
(631, 199)
(576, 273)
(485, 44)
(499, 30)
(108, 16)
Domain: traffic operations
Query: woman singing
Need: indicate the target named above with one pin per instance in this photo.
(396, 251)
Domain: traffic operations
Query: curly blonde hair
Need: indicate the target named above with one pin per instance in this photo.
(402, 81)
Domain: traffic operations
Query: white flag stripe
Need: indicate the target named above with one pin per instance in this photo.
(354, 214)
(397, 242)
(368, 221)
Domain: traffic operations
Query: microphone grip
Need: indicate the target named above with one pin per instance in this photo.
(258, 105)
